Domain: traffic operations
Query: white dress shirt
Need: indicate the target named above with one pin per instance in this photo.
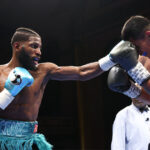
(131, 129)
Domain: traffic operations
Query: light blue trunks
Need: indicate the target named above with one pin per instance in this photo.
(21, 135)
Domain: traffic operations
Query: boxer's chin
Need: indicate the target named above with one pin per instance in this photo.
(35, 67)
(27, 62)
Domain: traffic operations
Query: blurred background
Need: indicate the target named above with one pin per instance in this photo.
(73, 115)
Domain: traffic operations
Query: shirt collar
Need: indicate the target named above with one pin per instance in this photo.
(137, 109)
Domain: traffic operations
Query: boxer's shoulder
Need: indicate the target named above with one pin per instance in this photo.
(5, 69)
(47, 66)
(43, 69)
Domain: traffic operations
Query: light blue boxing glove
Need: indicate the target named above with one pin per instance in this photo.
(17, 79)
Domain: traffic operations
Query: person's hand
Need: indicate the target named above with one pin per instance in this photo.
(18, 78)
(107, 62)
(118, 81)
(127, 57)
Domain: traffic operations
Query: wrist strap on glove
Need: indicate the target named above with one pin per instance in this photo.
(134, 91)
(106, 63)
(139, 73)
(5, 99)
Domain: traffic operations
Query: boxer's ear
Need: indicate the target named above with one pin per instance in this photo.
(16, 45)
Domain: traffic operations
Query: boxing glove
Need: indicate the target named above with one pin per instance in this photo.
(125, 54)
(18, 78)
(118, 81)
(107, 62)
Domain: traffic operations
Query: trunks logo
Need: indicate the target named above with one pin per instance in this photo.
(35, 128)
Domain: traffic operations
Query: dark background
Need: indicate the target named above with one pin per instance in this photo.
(73, 115)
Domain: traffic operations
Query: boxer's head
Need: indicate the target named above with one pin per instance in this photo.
(137, 30)
(26, 45)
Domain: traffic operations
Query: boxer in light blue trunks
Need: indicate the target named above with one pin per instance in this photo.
(22, 84)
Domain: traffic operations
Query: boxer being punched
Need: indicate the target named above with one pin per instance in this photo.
(19, 106)
(136, 40)
(136, 36)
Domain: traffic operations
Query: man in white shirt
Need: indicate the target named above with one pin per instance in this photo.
(131, 128)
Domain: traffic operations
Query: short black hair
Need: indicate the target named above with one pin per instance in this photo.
(135, 27)
(23, 34)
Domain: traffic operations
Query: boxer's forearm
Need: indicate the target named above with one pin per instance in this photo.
(81, 73)
(89, 71)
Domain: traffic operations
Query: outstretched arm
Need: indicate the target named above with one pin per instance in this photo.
(82, 73)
